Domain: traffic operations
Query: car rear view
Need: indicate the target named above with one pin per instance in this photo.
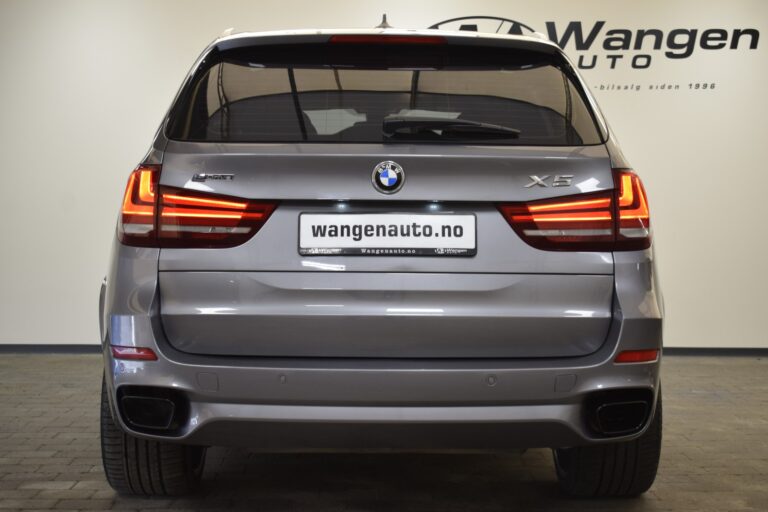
(382, 240)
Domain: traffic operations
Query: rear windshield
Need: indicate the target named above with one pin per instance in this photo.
(374, 93)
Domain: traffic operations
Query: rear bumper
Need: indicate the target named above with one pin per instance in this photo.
(309, 428)
(405, 405)
(272, 403)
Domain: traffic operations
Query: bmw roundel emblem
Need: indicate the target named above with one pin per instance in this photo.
(388, 177)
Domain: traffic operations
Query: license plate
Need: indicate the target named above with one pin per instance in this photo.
(387, 234)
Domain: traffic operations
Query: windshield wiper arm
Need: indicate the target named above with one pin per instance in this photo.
(428, 127)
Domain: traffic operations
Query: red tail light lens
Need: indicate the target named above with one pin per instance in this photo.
(583, 223)
(618, 220)
(634, 216)
(191, 219)
(137, 217)
(154, 216)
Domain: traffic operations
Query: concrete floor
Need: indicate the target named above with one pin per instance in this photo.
(715, 455)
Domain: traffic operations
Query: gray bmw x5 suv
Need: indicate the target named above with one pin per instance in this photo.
(382, 240)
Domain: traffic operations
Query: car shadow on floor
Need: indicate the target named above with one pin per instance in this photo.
(236, 480)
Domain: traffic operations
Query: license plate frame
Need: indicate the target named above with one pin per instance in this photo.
(460, 232)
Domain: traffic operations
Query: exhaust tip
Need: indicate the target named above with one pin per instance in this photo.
(618, 412)
(621, 417)
(148, 412)
(153, 410)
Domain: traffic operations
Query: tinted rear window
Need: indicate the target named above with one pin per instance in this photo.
(344, 93)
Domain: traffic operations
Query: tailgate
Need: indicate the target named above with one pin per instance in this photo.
(506, 299)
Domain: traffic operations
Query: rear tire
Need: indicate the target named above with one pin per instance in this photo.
(141, 467)
(618, 470)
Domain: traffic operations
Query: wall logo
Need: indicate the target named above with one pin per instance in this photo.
(388, 177)
(611, 48)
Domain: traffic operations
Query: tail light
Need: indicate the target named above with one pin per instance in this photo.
(192, 219)
(137, 217)
(581, 224)
(157, 216)
(618, 220)
(634, 229)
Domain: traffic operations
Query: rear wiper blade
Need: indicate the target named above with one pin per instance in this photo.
(439, 128)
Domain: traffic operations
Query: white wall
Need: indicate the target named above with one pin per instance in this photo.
(84, 84)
